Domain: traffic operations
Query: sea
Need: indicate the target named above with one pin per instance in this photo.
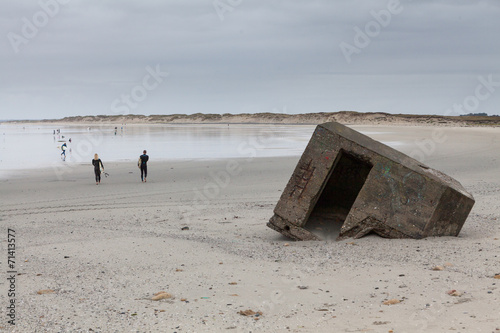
(30, 146)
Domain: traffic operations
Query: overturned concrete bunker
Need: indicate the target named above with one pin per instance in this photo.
(350, 185)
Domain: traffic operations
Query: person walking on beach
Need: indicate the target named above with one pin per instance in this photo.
(63, 148)
(97, 163)
(143, 165)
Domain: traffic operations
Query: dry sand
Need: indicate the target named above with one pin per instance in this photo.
(106, 250)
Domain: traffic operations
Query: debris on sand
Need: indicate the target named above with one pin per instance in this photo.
(391, 301)
(455, 293)
(250, 313)
(161, 295)
(437, 268)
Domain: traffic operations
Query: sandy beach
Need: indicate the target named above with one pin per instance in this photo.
(197, 230)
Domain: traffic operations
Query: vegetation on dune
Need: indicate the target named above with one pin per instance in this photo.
(346, 117)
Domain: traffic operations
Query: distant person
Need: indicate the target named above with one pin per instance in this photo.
(143, 165)
(63, 148)
(97, 163)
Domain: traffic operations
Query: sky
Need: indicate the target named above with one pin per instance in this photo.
(92, 57)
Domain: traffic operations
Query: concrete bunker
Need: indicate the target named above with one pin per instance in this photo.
(349, 185)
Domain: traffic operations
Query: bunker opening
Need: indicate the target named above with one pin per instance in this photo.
(339, 193)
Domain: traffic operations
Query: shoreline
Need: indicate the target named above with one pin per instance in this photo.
(34, 172)
(394, 135)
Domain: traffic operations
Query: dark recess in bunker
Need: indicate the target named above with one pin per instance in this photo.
(341, 190)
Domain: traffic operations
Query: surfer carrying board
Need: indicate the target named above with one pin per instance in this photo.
(97, 163)
(63, 148)
(143, 165)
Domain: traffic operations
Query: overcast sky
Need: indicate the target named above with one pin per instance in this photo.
(70, 57)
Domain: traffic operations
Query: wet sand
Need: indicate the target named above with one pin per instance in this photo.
(106, 250)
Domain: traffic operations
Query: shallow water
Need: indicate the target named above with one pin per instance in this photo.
(33, 146)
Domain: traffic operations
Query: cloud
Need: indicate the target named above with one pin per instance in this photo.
(263, 55)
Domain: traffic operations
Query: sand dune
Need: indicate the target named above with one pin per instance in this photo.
(344, 117)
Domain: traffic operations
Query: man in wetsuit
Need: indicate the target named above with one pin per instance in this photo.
(63, 148)
(143, 165)
(97, 163)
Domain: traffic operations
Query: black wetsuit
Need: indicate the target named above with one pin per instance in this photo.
(97, 169)
(144, 166)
